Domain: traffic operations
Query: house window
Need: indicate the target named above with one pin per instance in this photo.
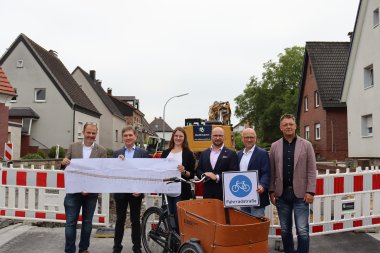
(368, 77)
(20, 64)
(116, 135)
(316, 98)
(14, 99)
(80, 130)
(306, 104)
(307, 132)
(40, 95)
(367, 125)
(376, 17)
(318, 131)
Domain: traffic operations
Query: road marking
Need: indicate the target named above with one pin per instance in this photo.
(10, 232)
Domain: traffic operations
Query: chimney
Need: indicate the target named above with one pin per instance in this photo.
(350, 35)
(52, 52)
(109, 91)
(93, 74)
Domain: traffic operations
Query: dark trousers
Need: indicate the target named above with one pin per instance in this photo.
(122, 200)
(172, 205)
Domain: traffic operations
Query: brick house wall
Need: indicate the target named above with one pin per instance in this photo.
(25, 146)
(336, 133)
(332, 144)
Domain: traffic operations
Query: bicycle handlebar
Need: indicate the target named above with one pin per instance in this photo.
(179, 179)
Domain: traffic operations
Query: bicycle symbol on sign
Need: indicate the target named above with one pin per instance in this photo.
(240, 186)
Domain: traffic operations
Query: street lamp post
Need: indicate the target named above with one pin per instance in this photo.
(163, 122)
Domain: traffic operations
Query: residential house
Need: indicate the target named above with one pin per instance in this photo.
(132, 100)
(112, 120)
(162, 129)
(361, 91)
(239, 127)
(9, 131)
(133, 117)
(46, 87)
(322, 117)
(147, 129)
(23, 116)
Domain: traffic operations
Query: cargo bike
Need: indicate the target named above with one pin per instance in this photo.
(205, 227)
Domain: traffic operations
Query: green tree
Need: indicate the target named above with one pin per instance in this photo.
(33, 156)
(238, 141)
(61, 152)
(264, 101)
(109, 152)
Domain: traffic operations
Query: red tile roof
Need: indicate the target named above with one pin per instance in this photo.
(5, 85)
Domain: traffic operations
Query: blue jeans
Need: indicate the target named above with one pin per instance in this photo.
(254, 210)
(286, 204)
(172, 205)
(73, 203)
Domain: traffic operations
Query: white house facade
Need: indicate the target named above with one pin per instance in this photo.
(45, 86)
(111, 121)
(361, 90)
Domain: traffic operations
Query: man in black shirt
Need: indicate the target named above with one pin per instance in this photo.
(292, 183)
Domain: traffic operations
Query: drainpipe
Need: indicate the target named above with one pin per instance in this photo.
(332, 136)
(73, 122)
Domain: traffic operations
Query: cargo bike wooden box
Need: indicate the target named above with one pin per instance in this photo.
(206, 226)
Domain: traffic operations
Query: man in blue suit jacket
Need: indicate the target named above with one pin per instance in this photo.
(213, 162)
(134, 200)
(253, 157)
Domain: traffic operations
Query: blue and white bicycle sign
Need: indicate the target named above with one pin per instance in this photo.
(239, 188)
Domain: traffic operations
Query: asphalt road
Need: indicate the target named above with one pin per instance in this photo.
(22, 238)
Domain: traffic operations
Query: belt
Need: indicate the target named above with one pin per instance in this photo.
(289, 188)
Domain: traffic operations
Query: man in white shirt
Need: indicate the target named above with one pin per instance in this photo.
(87, 201)
(123, 199)
(253, 157)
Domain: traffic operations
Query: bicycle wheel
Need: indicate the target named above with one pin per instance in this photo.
(235, 188)
(190, 247)
(154, 231)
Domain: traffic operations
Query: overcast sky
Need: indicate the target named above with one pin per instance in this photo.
(156, 49)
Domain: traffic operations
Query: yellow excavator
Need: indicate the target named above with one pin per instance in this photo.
(199, 130)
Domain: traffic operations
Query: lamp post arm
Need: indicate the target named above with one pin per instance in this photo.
(163, 122)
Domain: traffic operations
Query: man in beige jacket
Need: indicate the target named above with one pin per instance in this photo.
(292, 183)
(87, 201)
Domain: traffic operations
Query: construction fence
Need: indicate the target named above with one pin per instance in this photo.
(344, 201)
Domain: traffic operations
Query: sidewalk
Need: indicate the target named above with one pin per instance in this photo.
(31, 239)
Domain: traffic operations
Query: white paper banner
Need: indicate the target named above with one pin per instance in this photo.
(107, 175)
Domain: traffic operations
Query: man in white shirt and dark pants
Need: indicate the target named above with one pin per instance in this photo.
(253, 157)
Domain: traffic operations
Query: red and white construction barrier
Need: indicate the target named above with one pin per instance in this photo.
(38, 195)
(8, 151)
(343, 202)
(33, 178)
